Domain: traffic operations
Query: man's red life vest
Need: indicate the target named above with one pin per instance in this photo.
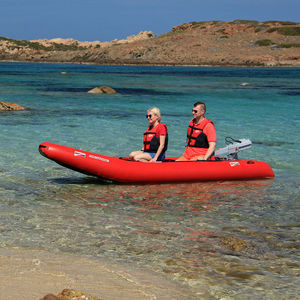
(195, 135)
(152, 140)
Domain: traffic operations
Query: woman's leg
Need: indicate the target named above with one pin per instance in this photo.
(134, 153)
(142, 156)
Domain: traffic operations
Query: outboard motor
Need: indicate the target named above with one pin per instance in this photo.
(230, 152)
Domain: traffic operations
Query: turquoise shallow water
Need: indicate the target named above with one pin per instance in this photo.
(184, 232)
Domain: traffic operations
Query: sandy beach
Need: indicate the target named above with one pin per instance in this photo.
(32, 274)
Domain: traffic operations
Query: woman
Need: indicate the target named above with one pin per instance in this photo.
(155, 139)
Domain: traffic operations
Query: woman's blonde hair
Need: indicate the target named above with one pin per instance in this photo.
(156, 111)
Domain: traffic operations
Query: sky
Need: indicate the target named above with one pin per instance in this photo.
(106, 20)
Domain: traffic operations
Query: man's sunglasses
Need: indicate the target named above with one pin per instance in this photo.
(148, 116)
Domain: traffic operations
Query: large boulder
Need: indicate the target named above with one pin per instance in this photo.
(6, 106)
(102, 90)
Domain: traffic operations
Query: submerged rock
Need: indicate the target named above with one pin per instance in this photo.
(234, 244)
(6, 106)
(49, 297)
(102, 90)
(70, 294)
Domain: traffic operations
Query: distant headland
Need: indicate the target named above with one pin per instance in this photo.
(210, 43)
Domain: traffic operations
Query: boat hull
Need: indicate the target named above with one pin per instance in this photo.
(120, 169)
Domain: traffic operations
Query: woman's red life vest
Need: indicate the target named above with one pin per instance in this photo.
(195, 135)
(152, 140)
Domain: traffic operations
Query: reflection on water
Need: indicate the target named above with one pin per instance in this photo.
(219, 238)
(210, 236)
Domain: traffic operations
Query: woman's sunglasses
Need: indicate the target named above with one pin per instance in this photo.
(148, 116)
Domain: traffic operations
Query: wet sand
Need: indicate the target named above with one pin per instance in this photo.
(32, 274)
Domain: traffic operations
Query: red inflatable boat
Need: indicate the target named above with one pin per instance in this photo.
(121, 169)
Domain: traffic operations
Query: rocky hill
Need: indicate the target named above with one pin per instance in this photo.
(214, 43)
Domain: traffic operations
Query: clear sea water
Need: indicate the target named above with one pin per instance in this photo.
(220, 240)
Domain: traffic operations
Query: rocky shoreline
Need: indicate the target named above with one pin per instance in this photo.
(8, 106)
(212, 43)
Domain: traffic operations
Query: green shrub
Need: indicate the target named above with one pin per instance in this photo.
(250, 22)
(185, 26)
(291, 31)
(170, 33)
(62, 47)
(198, 23)
(264, 43)
(288, 23)
(270, 22)
(281, 22)
(38, 46)
(291, 45)
(218, 23)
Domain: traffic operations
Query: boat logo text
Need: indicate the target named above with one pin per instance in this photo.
(77, 153)
(99, 158)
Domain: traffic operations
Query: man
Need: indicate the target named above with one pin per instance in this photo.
(201, 136)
